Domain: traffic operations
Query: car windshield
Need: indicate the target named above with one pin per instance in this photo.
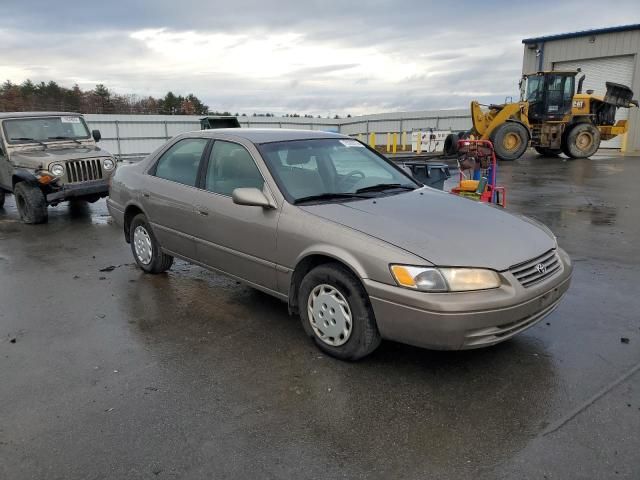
(332, 169)
(45, 129)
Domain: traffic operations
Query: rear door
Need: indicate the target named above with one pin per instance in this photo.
(237, 239)
(169, 193)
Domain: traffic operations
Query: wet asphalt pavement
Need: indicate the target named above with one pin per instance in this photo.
(123, 375)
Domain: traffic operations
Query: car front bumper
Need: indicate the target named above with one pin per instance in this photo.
(464, 320)
(95, 187)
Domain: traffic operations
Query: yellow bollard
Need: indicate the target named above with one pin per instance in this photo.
(388, 142)
(419, 143)
(404, 141)
(372, 140)
(394, 147)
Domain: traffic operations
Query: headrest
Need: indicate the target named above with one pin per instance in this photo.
(298, 156)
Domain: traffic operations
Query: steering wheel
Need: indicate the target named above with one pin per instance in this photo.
(352, 173)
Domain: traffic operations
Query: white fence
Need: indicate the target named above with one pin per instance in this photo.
(139, 135)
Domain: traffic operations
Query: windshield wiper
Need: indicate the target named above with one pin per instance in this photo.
(28, 139)
(327, 196)
(379, 187)
(64, 138)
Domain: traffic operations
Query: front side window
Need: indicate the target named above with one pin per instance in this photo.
(332, 168)
(25, 130)
(535, 85)
(230, 167)
(181, 162)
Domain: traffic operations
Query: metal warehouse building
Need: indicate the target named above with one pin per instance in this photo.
(607, 54)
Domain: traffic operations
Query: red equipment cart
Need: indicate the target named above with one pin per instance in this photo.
(478, 173)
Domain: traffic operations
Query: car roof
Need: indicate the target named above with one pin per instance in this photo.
(4, 115)
(268, 135)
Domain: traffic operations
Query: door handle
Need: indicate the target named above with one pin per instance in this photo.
(201, 211)
(145, 194)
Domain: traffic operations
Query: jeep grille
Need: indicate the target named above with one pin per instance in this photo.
(84, 170)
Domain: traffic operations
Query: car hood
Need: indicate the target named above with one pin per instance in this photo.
(43, 157)
(443, 229)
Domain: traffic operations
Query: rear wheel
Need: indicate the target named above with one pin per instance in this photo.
(146, 249)
(31, 204)
(581, 141)
(510, 140)
(548, 152)
(335, 311)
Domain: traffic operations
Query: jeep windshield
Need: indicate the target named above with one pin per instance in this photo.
(329, 170)
(45, 129)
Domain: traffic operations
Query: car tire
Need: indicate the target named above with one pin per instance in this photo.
(510, 140)
(581, 141)
(2, 196)
(336, 312)
(548, 152)
(145, 247)
(31, 203)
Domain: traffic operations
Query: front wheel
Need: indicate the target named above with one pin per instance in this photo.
(335, 311)
(146, 249)
(581, 141)
(510, 140)
(31, 204)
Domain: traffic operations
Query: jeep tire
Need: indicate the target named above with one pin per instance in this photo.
(31, 203)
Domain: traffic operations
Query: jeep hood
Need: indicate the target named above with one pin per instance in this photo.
(443, 229)
(43, 157)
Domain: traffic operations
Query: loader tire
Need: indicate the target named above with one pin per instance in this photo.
(581, 141)
(510, 140)
(451, 144)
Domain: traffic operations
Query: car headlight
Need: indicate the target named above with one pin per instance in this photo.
(57, 169)
(108, 164)
(431, 279)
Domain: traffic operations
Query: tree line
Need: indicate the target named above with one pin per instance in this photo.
(43, 96)
(49, 96)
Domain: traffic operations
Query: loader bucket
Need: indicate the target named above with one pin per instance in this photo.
(618, 95)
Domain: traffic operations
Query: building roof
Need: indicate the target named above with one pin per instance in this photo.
(267, 135)
(582, 33)
(34, 114)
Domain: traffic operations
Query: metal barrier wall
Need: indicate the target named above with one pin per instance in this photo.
(138, 135)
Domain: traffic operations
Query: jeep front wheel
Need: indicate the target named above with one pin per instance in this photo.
(31, 204)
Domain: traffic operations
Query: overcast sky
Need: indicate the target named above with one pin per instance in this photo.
(306, 56)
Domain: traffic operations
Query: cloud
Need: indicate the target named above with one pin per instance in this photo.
(320, 57)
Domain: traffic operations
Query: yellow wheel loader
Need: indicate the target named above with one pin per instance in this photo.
(552, 116)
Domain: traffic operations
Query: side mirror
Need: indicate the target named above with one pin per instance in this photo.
(251, 197)
(96, 135)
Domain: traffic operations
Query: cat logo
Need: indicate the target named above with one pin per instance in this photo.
(578, 104)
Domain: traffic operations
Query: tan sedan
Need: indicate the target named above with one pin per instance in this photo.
(355, 246)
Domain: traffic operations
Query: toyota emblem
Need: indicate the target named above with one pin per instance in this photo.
(541, 268)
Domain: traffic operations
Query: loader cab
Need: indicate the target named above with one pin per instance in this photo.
(549, 94)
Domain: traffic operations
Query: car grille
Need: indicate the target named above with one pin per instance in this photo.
(84, 170)
(536, 270)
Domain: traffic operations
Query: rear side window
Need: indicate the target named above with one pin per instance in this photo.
(181, 162)
(230, 167)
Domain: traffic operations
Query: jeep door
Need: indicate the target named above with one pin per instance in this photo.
(5, 169)
(236, 239)
(168, 195)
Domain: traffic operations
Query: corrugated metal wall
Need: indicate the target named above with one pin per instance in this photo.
(139, 135)
(593, 47)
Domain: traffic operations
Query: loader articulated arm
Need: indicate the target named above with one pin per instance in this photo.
(485, 122)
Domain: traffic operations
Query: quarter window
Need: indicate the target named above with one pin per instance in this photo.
(230, 167)
(181, 162)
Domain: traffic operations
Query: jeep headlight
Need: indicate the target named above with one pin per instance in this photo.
(108, 164)
(57, 169)
(431, 279)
